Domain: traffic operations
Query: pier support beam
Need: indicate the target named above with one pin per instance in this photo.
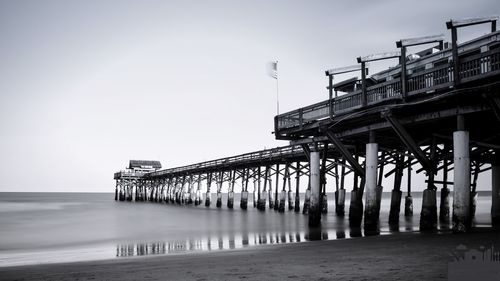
(244, 189)
(297, 191)
(208, 197)
(428, 215)
(307, 199)
(276, 196)
(396, 192)
(261, 203)
(340, 202)
(230, 193)
(230, 199)
(270, 194)
(395, 206)
(197, 200)
(495, 190)
(323, 196)
(281, 207)
(461, 182)
(314, 206)
(244, 200)
(220, 180)
(355, 208)
(282, 200)
(444, 206)
(340, 194)
(356, 205)
(372, 205)
(408, 198)
(291, 199)
(254, 197)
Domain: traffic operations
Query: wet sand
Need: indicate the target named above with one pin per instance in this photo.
(405, 256)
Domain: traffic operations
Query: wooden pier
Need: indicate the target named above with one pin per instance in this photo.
(436, 111)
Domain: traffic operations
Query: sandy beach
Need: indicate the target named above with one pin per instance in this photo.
(406, 256)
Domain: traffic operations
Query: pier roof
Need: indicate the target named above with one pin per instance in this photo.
(144, 164)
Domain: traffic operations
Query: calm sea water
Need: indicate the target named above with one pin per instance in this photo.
(64, 227)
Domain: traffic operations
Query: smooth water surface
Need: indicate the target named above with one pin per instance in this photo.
(65, 227)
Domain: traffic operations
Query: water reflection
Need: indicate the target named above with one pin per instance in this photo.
(227, 242)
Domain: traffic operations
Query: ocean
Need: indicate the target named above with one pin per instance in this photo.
(38, 228)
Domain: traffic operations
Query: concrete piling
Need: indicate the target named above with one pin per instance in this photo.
(324, 203)
(340, 193)
(244, 189)
(208, 199)
(495, 191)
(281, 207)
(291, 200)
(314, 205)
(461, 182)
(396, 192)
(297, 191)
(444, 206)
(428, 215)
(244, 200)
(372, 204)
(283, 195)
(276, 199)
(197, 201)
(270, 196)
(395, 206)
(408, 206)
(340, 202)
(307, 200)
(254, 199)
(218, 203)
(408, 198)
(297, 203)
(261, 203)
(355, 209)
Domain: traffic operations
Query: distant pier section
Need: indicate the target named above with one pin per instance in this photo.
(437, 111)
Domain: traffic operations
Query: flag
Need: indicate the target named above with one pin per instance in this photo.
(273, 69)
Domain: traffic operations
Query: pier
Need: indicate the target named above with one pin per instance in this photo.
(436, 111)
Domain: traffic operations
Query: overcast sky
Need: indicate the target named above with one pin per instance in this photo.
(87, 85)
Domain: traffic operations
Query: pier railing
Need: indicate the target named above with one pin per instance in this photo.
(128, 174)
(474, 64)
(259, 158)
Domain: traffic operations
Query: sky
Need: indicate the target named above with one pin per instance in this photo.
(87, 85)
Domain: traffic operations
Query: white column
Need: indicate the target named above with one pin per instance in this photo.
(495, 193)
(314, 205)
(371, 209)
(461, 188)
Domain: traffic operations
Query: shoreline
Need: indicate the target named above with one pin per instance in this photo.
(408, 256)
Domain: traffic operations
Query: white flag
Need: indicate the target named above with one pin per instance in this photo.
(273, 69)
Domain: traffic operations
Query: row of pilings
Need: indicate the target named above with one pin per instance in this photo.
(186, 189)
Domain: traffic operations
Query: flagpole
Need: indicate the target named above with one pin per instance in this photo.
(277, 92)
